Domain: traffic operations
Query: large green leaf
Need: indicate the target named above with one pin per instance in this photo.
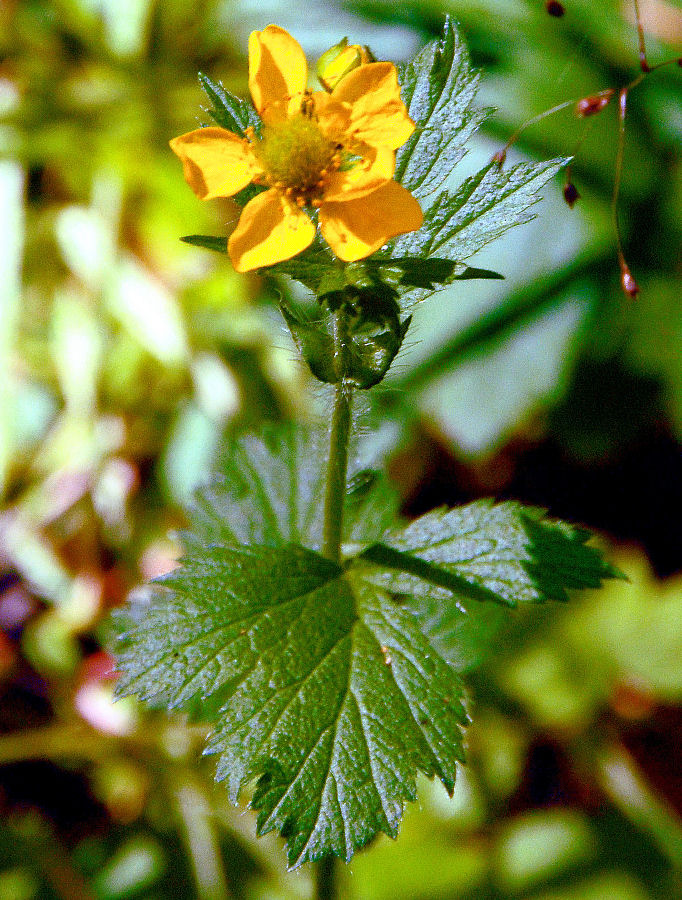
(332, 696)
(332, 685)
(506, 553)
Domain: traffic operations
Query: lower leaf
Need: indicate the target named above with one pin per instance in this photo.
(333, 697)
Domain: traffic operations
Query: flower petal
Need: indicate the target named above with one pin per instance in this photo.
(363, 178)
(277, 68)
(215, 162)
(332, 116)
(378, 116)
(359, 227)
(270, 229)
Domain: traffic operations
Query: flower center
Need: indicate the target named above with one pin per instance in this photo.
(297, 158)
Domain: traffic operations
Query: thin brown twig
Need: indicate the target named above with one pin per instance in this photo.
(588, 107)
(643, 61)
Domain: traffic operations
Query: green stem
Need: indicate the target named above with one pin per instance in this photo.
(337, 464)
(332, 534)
(325, 881)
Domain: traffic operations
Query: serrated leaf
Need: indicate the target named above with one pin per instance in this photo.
(438, 88)
(230, 112)
(487, 204)
(425, 273)
(270, 488)
(334, 699)
(505, 553)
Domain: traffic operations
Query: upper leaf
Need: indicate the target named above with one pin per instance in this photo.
(438, 88)
(482, 209)
(457, 225)
(506, 553)
(271, 489)
(333, 698)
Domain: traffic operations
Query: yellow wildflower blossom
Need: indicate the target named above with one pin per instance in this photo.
(331, 155)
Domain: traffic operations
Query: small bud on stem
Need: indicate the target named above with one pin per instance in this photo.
(590, 106)
(628, 283)
(571, 195)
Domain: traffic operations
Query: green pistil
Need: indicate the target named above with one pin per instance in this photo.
(297, 155)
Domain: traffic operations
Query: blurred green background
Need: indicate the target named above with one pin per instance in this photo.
(126, 357)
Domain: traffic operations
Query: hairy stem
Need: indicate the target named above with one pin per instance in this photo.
(332, 535)
(325, 880)
(337, 464)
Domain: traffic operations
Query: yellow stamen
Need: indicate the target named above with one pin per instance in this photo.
(297, 157)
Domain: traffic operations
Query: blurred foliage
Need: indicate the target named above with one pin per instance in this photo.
(126, 356)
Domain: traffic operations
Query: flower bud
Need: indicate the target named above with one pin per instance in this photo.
(338, 61)
(590, 106)
(571, 195)
(628, 283)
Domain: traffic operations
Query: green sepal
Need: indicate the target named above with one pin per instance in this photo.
(409, 272)
(375, 334)
(228, 111)
(317, 270)
(207, 241)
(313, 342)
(314, 268)
(471, 273)
(374, 329)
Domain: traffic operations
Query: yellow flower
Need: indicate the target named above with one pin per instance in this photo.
(327, 155)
